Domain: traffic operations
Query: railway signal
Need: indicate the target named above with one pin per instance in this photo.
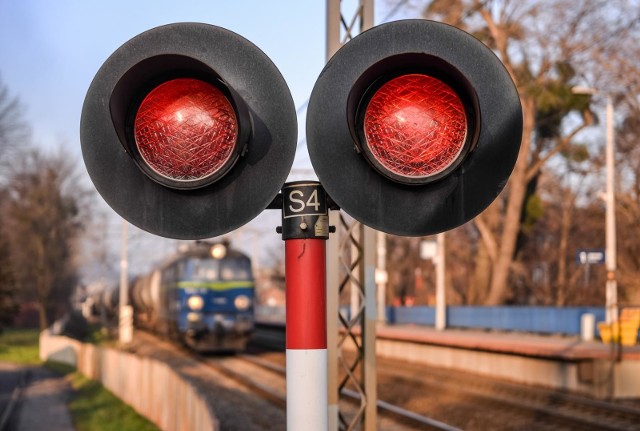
(425, 122)
(188, 131)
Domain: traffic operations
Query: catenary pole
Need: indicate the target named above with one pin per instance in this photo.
(340, 29)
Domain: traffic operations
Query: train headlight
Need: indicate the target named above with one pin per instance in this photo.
(195, 302)
(218, 251)
(242, 302)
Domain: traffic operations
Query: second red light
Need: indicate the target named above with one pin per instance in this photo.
(415, 127)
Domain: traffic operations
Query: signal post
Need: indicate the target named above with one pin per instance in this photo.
(305, 229)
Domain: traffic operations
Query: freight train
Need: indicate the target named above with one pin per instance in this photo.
(203, 297)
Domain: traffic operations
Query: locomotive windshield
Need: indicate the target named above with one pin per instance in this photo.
(204, 269)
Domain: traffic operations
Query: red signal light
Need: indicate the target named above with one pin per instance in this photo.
(414, 129)
(435, 119)
(203, 117)
(186, 131)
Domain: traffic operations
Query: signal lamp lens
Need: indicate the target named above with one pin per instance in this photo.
(415, 128)
(186, 130)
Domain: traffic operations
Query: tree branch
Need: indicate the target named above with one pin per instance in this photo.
(535, 167)
(500, 39)
(488, 238)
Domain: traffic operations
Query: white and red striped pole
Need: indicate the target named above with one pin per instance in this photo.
(305, 229)
(307, 407)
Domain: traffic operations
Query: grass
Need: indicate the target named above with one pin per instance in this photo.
(94, 408)
(20, 346)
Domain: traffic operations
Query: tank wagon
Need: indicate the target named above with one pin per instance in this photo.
(202, 297)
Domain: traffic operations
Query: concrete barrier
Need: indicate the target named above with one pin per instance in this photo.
(151, 387)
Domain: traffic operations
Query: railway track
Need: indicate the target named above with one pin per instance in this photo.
(548, 408)
(417, 393)
(511, 403)
(537, 407)
(268, 379)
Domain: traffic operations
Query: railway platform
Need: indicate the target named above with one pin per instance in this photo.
(522, 344)
(558, 362)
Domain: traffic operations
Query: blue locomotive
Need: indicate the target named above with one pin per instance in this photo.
(202, 297)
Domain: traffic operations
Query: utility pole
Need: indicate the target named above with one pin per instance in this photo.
(441, 302)
(125, 314)
(610, 222)
(611, 286)
(382, 276)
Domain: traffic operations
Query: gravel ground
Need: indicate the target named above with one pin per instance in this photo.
(235, 406)
(451, 406)
(448, 396)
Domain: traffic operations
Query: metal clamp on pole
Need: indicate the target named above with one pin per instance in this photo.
(305, 229)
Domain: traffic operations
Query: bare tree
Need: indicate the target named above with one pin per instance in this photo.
(544, 65)
(628, 203)
(14, 132)
(43, 222)
(546, 272)
(402, 263)
(8, 299)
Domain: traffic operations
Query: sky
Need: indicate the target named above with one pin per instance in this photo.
(51, 50)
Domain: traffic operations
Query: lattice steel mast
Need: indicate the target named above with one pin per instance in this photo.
(351, 274)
